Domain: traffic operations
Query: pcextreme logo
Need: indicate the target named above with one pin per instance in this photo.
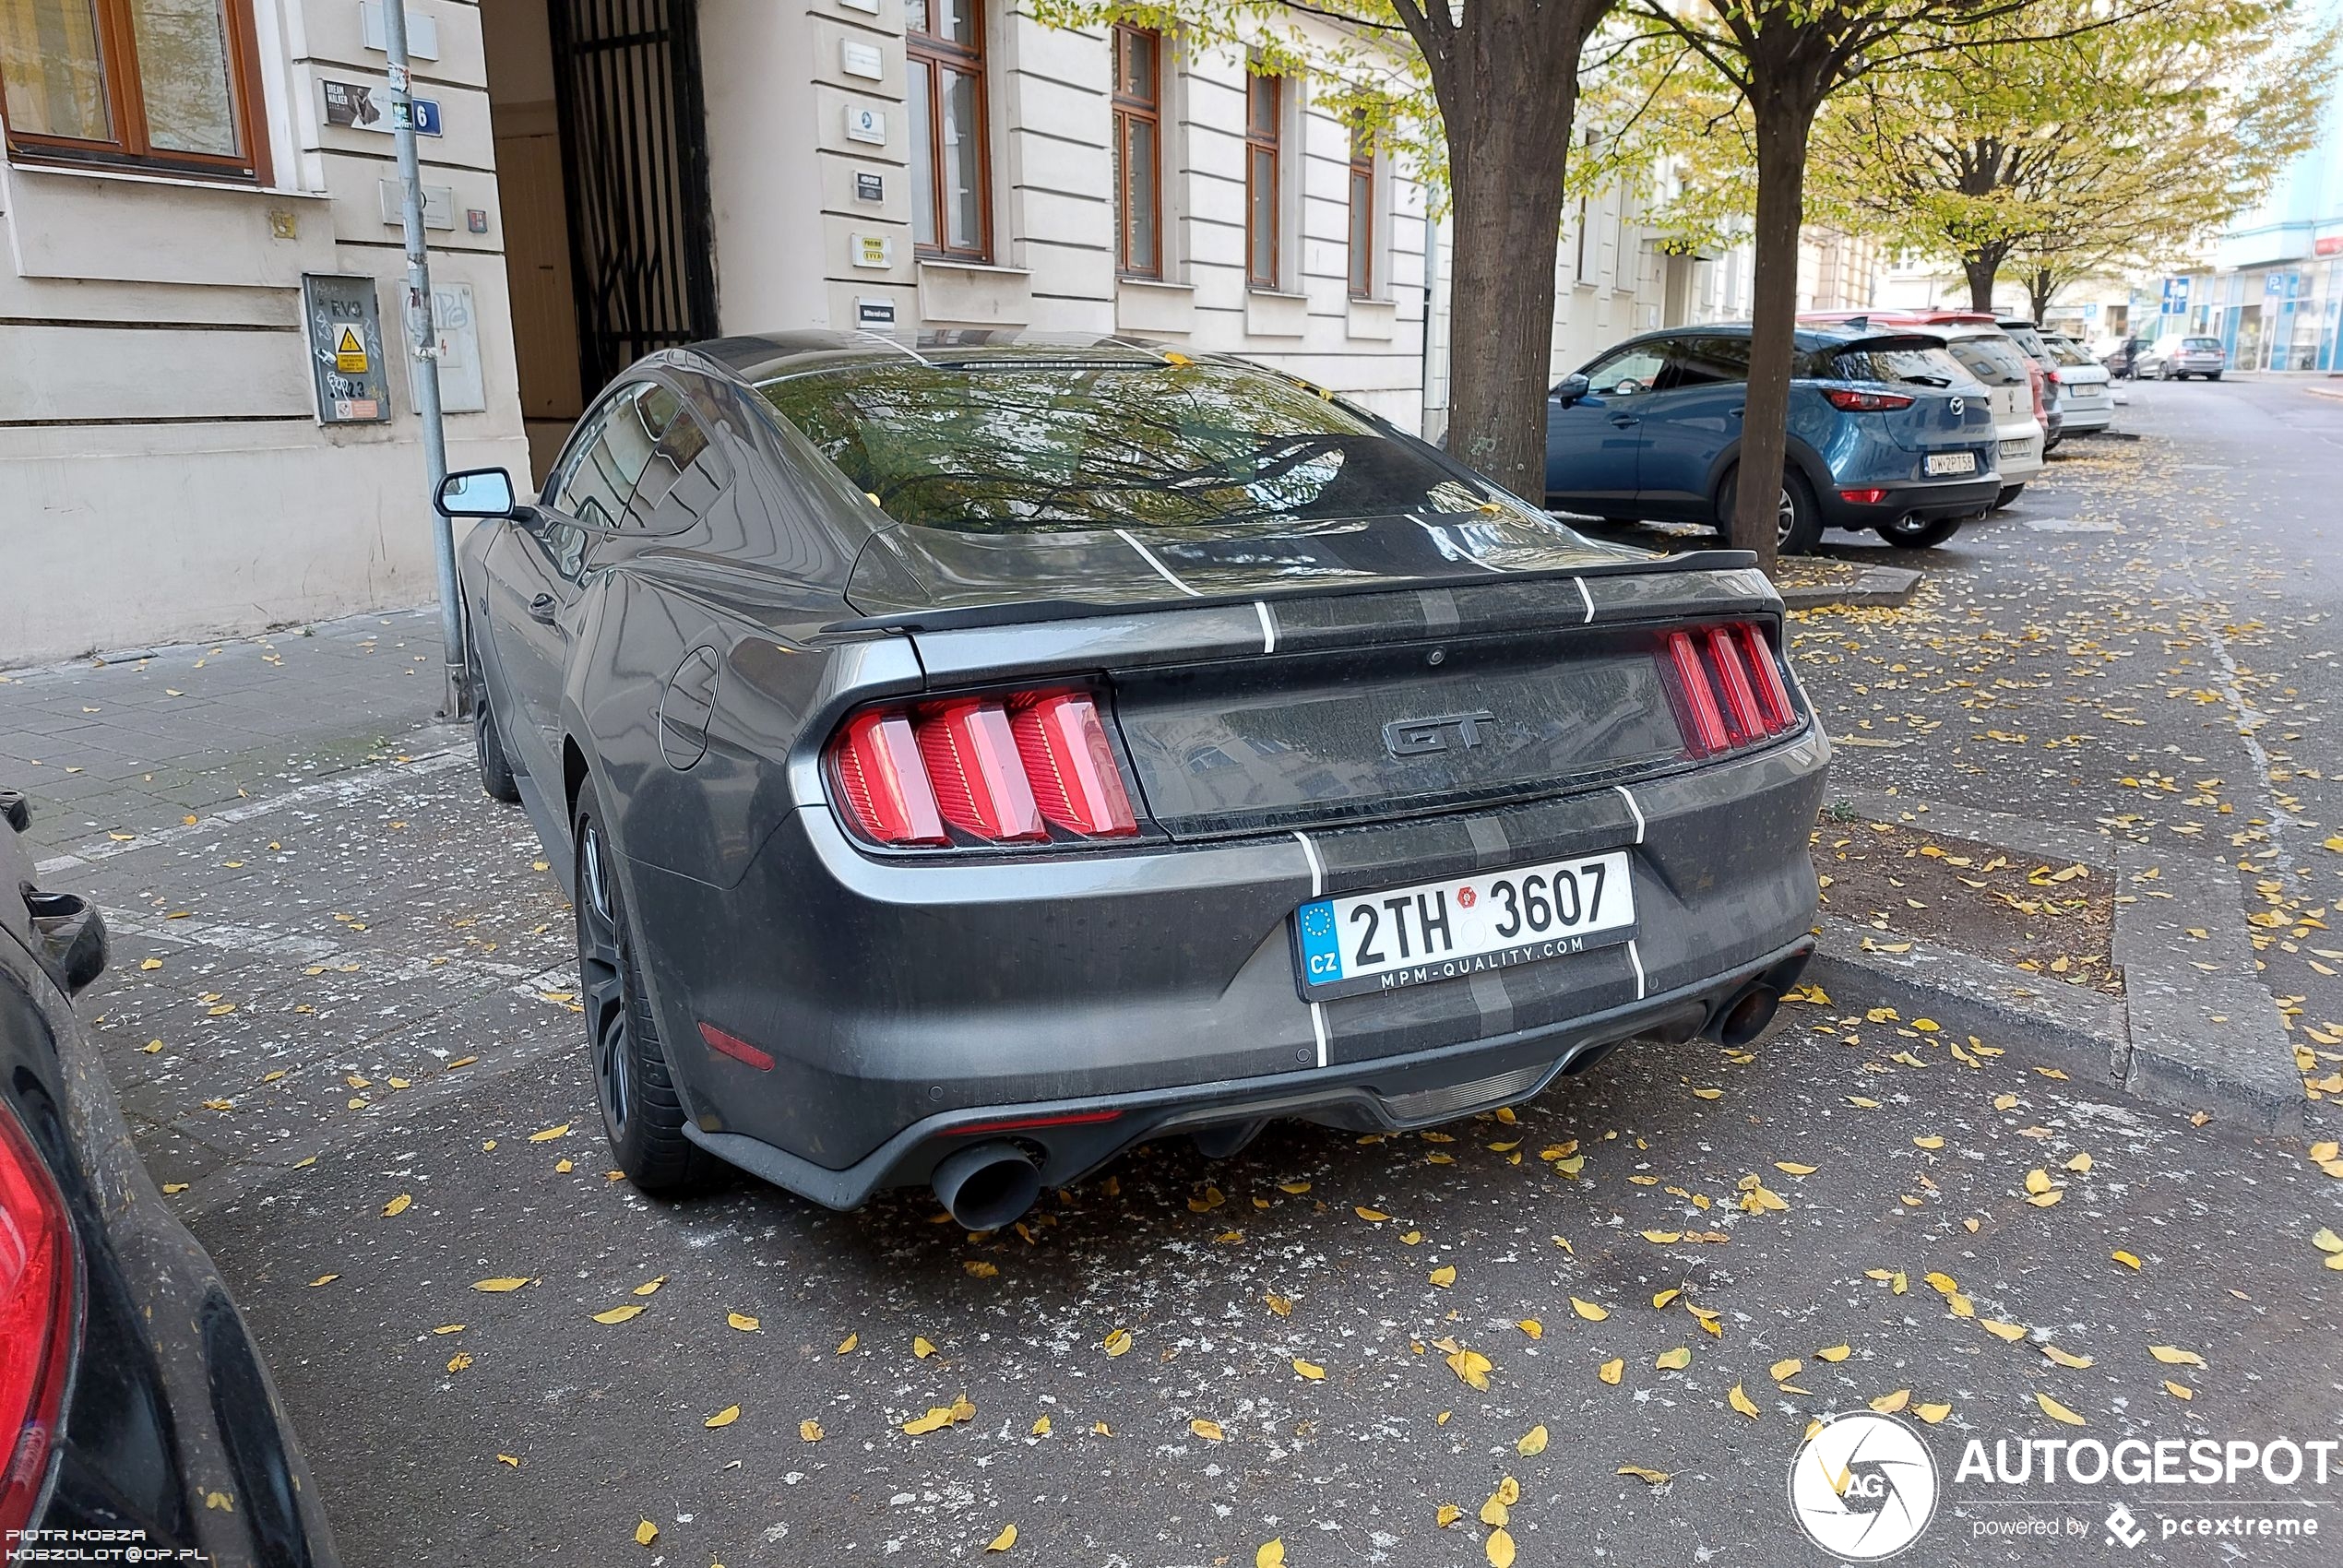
(1863, 1486)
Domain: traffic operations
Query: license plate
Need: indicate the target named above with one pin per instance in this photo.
(1952, 462)
(1438, 930)
(2018, 448)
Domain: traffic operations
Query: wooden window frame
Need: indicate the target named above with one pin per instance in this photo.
(1362, 195)
(1272, 142)
(128, 147)
(1148, 111)
(942, 54)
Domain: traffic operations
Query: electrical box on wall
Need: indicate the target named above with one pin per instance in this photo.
(344, 320)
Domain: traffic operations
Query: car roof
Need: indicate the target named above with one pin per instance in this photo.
(1809, 337)
(759, 357)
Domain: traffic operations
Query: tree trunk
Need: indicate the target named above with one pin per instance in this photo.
(1984, 269)
(1506, 78)
(1782, 126)
(2040, 287)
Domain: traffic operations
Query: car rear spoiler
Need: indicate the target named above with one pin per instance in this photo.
(973, 615)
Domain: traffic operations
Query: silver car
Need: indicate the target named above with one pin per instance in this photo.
(2177, 359)
(2087, 390)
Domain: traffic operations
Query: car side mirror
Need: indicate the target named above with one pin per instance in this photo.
(476, 493)
(1569, 389)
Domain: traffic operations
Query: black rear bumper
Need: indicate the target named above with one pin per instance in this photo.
(1069, 1138)
(1968, 498)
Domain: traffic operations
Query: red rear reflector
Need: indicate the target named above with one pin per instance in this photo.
(1700, 701)
(1865, 402)
(734, 1047)
(1773, 696)
(1071, 767)
(37, 1320)
(885, 782)
(1863, 497)
(979, 783)
(1018, 1124)
(1741, 703)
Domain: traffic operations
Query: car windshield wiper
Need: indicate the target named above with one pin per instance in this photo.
(1929, 380)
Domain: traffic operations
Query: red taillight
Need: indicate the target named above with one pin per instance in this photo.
(1071, 766)
(1871, 496)
(885, 782)
(1707, 725)
(1865, 402)
(2034, 382)
(971, 760)
(1732, 688)
(36, 1320)
(996, 769)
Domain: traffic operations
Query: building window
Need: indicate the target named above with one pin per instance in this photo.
(950, 215)
(1265, 99)
(1362, 209)
(1138, 151)
(166, 84)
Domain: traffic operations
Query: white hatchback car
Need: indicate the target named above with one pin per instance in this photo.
(2089, 391)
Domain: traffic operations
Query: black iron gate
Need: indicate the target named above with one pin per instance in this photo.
(634, 144)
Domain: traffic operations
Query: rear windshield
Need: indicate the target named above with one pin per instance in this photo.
(1922, 367)
(1033, 446)
(2200, 342)
(2026, 339)
(2065, 350)
(1994, 360)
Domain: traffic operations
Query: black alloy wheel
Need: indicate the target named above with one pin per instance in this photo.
(642, 1116)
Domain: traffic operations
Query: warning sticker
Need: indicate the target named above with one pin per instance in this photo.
(350, 352)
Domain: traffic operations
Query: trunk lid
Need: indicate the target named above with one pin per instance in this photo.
(1369, 698)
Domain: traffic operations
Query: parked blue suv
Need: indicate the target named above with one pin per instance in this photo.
(1888, 432)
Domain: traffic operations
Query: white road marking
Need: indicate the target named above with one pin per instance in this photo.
(1268, 627)
(1637, 810)
(342, 787)
(1161, 569)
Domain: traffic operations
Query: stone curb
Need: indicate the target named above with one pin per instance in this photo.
(2195, 1028)
(1890, 586)
(2335, 392)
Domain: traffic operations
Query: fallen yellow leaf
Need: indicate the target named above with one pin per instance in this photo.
(920, 1346)
(1650, 1478)
(1533, 1442)
(645, 1533)
(1209, 1430)
(1117, 1343)
(1931, 1414)
(2057, 1411)
(1741, 1401)
(1499, 1546)
(1588, 1311)
(620, 1314)
(1443, 1276)
(1836, 1353)
(1889, 1403)
(2173, 1355)
(724, 1417)
(810, 1430)
(1271, 1555)
(1676, 1360)
(1472, 1367)
(1002, 1542)
(549, 1134)
(501, 1284)
(1310, 1370)
(1612, 1371)
(743, 1322)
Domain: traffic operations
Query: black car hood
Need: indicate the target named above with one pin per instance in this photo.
(910, 568)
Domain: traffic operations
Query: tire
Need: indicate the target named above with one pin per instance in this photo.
(642, 1116)
(2212, 375)
(1905, 534)
(2051, 444)
(1798, 519)
(488, 749)
(2009, 493)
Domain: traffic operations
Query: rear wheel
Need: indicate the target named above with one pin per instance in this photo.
(1911, 533)
(488, 749)
(642, 1116)
(2212, 375)
(2009, 493)
(1798, 521)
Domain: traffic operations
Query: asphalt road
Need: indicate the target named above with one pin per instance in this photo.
(362, 996)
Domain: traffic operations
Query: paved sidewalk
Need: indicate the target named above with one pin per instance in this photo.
(136, 741)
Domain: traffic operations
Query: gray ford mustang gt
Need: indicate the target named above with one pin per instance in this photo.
(972, 756)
